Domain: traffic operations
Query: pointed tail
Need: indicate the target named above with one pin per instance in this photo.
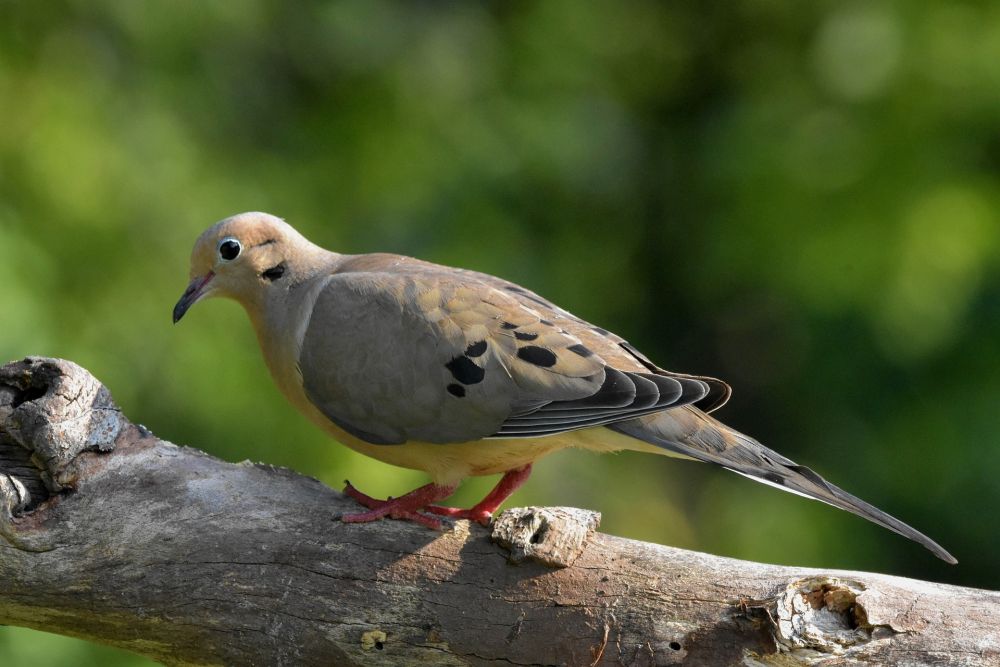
(692, 433)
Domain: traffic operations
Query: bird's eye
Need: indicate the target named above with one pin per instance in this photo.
(229, 249)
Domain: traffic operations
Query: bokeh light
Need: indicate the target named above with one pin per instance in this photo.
(799, 198)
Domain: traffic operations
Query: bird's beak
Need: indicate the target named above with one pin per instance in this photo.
(195, 290)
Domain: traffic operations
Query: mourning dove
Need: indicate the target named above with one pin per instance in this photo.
(459, 373)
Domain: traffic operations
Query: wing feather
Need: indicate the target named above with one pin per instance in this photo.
(398, 350)
(623, 395)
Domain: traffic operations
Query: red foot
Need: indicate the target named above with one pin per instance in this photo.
(480, 516)
(411, 506)
(483, 511)
(405, 508)
(402, 515)
(367, 501)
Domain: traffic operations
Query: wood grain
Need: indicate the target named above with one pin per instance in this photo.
(110, 534)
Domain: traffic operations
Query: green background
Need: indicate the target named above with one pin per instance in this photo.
(800, 198)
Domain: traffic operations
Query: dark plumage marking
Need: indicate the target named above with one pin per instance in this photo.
(465, 371)
(546, 323)
(774, 478)
(508, 325)
(515, 288)
(537, 299)
(599, 331)
(642, 358)
(538, 356)
(476, 349)
(808, 474)
(621, 396)
(274, 272)
(580, 349)
(524, 335)
(617, 391)
(456, 390)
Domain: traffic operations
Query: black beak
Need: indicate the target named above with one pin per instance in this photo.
(194, 291)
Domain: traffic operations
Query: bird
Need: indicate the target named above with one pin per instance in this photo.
(459, 373)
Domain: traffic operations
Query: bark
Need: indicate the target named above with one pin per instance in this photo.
(110, 534)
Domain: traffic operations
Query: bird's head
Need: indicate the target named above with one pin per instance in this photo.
(240, 258)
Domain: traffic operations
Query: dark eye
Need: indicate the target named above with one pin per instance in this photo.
(229, 249)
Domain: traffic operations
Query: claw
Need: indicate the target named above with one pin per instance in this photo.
(367, 501)
(404, 508)
(413, 505)
(402, 515)
(480, 516)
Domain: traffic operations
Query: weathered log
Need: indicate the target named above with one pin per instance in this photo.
(111, 534)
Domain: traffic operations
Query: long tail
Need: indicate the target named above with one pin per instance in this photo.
(692, 433)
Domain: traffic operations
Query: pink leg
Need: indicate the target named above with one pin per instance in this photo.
(405, 507)
(484, 509)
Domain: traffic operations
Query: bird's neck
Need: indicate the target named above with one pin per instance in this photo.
(281, 318)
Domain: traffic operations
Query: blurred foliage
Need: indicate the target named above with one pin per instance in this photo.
(798, 197)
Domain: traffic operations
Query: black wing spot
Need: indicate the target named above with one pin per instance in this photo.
(599, 331)
(546, 323)
(476, 349)
(508, 326)
(456, 390)
(580, 349)
(538, 356)
(774, 478)
(465, 371)
(524, 335)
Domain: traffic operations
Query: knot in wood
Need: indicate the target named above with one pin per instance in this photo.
(55, 409)
(553, 536)
(821, 614)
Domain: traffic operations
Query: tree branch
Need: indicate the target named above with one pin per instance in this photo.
(111, 534)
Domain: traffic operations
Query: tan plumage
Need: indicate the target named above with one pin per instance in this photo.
(459, 373)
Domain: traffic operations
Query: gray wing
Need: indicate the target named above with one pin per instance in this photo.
(425, 353)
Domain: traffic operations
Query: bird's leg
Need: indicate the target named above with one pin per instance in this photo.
(405, 507)
(361, 498)
(484, 509)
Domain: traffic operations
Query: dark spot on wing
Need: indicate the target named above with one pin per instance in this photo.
(515, 288)
(546, 323)
(580, 349)
(476, 349)
(465, 371)
(538, 356)
(508, 326)
(599, 331)
(774, 478)
(524, 335)
(456, 390)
